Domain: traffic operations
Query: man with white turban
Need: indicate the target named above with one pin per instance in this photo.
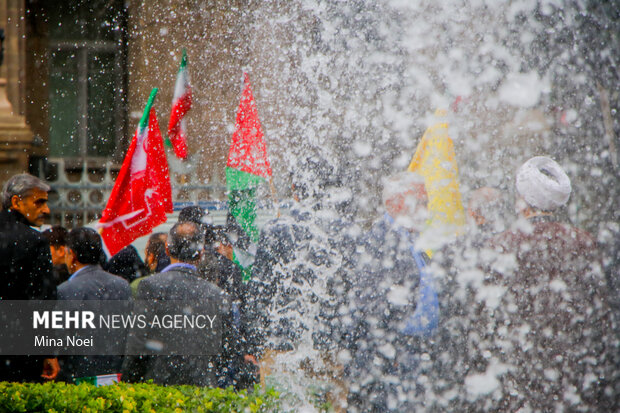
(553, 331)
(542, 186)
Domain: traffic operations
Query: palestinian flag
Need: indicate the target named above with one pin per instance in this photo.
(247, 167)
(181, 104)
(142, 194)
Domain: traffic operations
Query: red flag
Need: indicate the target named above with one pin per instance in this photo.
(141, 195)
(181, 104)
(248, 152)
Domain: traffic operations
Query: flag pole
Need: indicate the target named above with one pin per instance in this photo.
(147, 108)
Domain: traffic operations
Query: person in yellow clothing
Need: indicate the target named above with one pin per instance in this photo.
(435, 160)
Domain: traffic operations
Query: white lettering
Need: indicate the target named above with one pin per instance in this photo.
(44, 341)
(56, 319)
(79, 342)
(41, 318)
(129, 321)
(75, 319)
(63, 319)
(87, 319)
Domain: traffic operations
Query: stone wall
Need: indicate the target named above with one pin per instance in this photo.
(15, 135)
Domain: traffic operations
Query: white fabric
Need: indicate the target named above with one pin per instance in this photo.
(543, 184)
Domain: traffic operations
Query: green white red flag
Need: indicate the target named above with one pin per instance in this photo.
(247, 167)
(181, 104)
(142, 195)
(101, 380)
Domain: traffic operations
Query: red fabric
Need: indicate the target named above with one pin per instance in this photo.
(248, 152)
(175, 131)
(140, 199)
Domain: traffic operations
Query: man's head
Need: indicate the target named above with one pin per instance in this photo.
(155, 251)
(542, 185)
(185, 242)
(84, 247)
(405, 199)
(27, 195)
(57, 236)
(196, 214)
(218, 239)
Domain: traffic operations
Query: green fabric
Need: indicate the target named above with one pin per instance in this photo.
(242, 205)
(90, 380)
(244, 260)
(237, 180)
(242, 199)
(183, 61)
(144, 122)
(246, 272)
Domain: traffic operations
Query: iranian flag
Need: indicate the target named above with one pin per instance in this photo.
(181, 104)
(101, 380)
(247, 167)
(141, 196)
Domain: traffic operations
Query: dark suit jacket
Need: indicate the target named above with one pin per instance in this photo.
(25, 274)
(183, 284)
(93, 283)
(25, 260)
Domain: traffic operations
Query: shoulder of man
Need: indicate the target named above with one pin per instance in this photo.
(120, 284)
(12, 226)
(172, 277)
(155, 279)
(567, 233)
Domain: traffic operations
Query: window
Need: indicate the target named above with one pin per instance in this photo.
(86, 78)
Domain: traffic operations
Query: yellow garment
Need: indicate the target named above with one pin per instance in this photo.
(434, 159)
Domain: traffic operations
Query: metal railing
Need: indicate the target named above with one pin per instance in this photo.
(79, 194)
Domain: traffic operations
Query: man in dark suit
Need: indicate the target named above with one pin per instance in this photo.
(57, 236)
(25, 264)
(181, 281)
(155, 258)
(89, 282)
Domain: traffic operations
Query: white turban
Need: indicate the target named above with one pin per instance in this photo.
(543, 184)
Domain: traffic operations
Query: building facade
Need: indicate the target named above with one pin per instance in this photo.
(76, 76)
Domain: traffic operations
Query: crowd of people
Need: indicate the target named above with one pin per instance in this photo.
(515, 313)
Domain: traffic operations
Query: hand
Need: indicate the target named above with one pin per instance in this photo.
(51, 368)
